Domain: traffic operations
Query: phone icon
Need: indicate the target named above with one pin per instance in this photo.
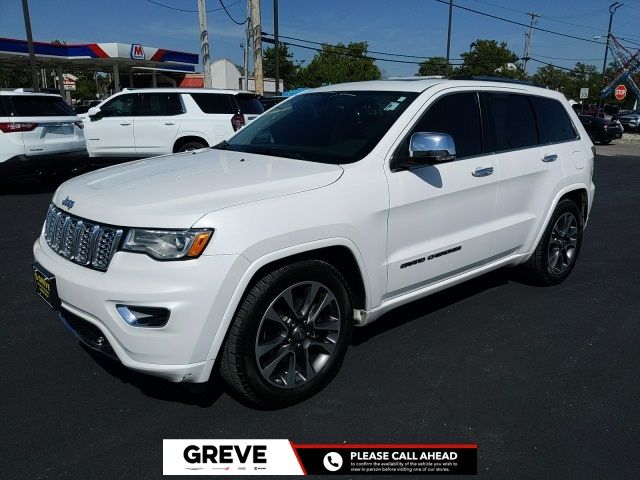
(332, 461)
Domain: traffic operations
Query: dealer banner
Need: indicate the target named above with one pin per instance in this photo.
(283, 457)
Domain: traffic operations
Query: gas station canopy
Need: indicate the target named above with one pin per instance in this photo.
(98, 57)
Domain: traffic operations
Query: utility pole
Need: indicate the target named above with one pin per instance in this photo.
(257, 46)
(527, 42)
(32, 55)
(246, 50)
(276, 45)
(447, 67)
(204, 44)
(612, 9)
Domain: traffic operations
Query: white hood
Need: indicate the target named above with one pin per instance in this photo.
(176, 190)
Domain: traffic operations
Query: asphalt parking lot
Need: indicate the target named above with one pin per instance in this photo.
(544, 380)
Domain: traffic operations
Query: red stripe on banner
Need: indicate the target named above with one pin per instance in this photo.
(374, 445)
(98, 51)
(158, 55)
(293, 447)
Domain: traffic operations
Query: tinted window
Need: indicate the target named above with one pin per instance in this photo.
(553, 122)
(214, 103)
(457, 115)
(249, 104)
(3, 110)
(39, 106)
(159, 104)
(510, 122)
(120, 106)
(330, 127)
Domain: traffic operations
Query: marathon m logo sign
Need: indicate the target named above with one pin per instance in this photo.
(137, 52)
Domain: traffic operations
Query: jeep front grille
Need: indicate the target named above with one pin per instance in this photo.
(83, 242)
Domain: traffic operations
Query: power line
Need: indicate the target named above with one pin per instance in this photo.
(233, 19)
(496, 17)
(190, 11)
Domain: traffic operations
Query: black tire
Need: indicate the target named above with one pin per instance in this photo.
(191, 146)
(239, 364)
(605, 142)
(537, 269)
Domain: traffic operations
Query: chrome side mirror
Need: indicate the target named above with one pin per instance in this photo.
(436, 147)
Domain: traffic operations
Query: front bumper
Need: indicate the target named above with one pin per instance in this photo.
(196, 292)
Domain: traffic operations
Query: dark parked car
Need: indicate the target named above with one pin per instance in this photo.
(268, 102)
(600, 130)
(587, 109)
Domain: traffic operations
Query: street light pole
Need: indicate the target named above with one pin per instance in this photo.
(612, 9)
(446, 67)
(276, 45)
(32, 55)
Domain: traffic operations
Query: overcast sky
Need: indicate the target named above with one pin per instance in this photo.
(409, 27)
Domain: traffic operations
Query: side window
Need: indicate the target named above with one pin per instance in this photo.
(120, 106)
(553, 122)
(457, 115)
(159, 104)
(510, 122)
(214, 103)
(3, 110)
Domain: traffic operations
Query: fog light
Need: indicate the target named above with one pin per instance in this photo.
(144, 316)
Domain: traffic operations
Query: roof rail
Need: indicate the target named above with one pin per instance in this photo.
(487, 78)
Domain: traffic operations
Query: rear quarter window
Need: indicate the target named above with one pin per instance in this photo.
(214, 103)
(554, 124)
(249, 104)
(39, 106)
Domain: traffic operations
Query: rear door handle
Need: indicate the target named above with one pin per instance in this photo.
(482, 172)
(550, 158)
(125, 123)
(170, 123)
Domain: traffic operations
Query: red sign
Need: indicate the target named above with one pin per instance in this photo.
(621, 92)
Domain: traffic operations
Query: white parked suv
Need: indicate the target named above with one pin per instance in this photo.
(158, 121)
(256, 259)
(38, 131)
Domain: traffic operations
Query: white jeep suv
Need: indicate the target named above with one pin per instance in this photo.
(158, 121)
(38, 131)
(255, 259)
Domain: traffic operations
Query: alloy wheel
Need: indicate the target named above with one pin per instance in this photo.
(563, 243)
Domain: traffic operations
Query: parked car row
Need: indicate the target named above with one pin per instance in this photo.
(39, 130)
(601, 130)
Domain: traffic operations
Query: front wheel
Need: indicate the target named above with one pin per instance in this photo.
(187, 147)
(290, 334)
(556, 253)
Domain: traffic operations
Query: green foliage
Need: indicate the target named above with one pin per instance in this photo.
(338, 64)
(488, 57)
(433, 66)
(287, 69)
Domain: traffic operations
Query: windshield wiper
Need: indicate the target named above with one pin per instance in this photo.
(274, 151)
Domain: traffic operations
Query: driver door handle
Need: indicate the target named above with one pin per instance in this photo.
(482, 172)
(125, 123)
(550, 158)
(170, 123)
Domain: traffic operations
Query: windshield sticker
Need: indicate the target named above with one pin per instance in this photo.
(402, 99)
(391, 106)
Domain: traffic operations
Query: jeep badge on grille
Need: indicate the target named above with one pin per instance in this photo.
(67, 202)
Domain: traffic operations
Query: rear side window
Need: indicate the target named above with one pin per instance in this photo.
(249, 104)
(39, 106)
(457, 115)
(510, 122)
(553, 122)
(159, 104)
(3, 110)
(214, 103)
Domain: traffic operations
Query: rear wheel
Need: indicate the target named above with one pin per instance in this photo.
(290, 334)
(556, 253)
(605, 142)
(191, 146)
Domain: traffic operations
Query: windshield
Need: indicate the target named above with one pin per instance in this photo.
(328, 127)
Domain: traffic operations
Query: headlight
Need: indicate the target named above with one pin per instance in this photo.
(167, 244)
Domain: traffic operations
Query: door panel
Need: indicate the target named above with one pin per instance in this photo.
(111, 135)
(440, 217)
(157, 120)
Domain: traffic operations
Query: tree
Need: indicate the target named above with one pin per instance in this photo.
(287, 69)
(338, 64)
(433, 66)
(584, 76)
(488, 57)
(551, 77)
